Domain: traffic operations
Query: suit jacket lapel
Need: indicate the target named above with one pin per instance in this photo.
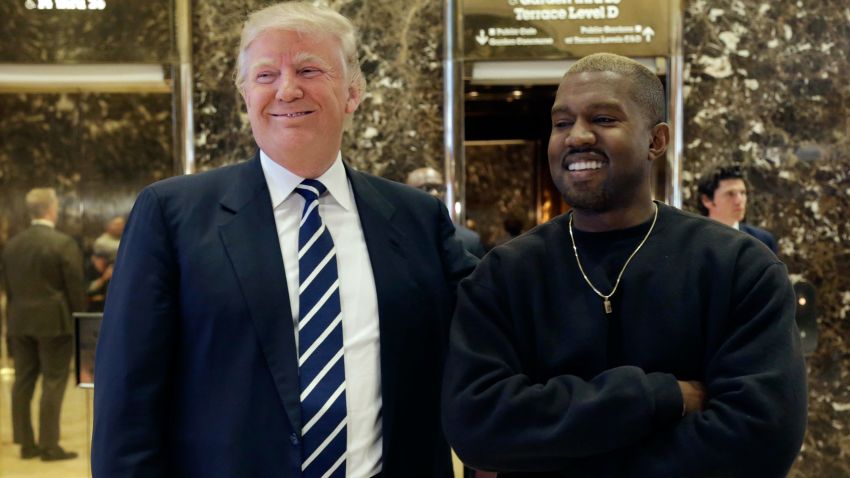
(249, 235)
(385, 243)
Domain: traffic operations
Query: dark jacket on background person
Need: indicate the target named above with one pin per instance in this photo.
(471, 240)
(760, 234)
(43, 275)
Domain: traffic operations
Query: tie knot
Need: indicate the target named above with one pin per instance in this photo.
(310, 189)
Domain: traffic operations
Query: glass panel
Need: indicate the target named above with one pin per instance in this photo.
(123, 31)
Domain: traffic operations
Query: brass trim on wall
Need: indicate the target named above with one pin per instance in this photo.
(675, 107)
(83, 78)
(184, 125)
(164, 88)
(453, 131)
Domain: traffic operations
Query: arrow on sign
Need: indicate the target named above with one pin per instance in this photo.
(482, 38)
(648, 33)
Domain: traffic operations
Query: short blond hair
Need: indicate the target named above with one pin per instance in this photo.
(647, 90)
(301, 17)
(39, 202)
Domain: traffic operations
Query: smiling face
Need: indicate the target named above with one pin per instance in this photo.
(298, 95)
(602, 143)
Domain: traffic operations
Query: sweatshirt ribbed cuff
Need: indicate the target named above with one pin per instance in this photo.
(668, 397)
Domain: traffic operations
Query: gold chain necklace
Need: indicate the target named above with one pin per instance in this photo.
(606, 299)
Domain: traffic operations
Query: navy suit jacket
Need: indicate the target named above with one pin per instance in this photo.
(471, 240)
(760, 234)
(196, 372)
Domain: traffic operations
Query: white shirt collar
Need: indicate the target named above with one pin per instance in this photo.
(43, 222)
(282, 182)
(737, 225)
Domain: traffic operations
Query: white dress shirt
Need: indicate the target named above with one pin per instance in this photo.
(358, 300)
(43, 222)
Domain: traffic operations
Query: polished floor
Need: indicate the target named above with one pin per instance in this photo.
(75, 434)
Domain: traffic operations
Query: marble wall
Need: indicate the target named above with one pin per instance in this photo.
(97, 150)
(766, 87)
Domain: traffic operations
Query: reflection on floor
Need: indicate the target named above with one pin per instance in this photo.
(75, 435)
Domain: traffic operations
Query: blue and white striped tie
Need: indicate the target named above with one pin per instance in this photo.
(320, 358)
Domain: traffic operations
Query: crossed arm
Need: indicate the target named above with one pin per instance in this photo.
(745, 417)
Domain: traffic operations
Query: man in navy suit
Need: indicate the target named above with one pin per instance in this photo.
(723, 197)
(198, 360)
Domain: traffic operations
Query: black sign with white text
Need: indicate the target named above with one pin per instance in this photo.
(86, 31)
(557, 29)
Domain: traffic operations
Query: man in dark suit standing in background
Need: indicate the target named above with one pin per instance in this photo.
(43, 276)
(285, 316)
(723, 197)
(431, 181)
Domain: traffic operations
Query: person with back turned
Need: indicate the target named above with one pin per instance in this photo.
(722, 192)
(286, 316)
(625, 338)
(111, 237)
(43, 276)
(101, 262)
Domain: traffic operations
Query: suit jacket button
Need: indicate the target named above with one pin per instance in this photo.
(294, 439)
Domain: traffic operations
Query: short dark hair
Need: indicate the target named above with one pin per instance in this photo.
(513, 225)
(647, 90)
(710, 179)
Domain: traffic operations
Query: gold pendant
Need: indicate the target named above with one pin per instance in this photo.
(608, 308)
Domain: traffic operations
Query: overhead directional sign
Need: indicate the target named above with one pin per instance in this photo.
(557, 29)
(86, 31)
(65, 4)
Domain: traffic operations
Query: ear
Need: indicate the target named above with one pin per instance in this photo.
(245, 97)
(706, 201)
(659, 140)
(355, 94)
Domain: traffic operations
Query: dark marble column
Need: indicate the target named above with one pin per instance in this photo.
(766, 87)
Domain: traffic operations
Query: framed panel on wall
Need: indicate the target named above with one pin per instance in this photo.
(86, 31)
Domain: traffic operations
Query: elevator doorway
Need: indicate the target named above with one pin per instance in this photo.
(508, 186)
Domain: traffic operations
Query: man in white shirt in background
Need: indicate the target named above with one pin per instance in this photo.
(722, 194)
